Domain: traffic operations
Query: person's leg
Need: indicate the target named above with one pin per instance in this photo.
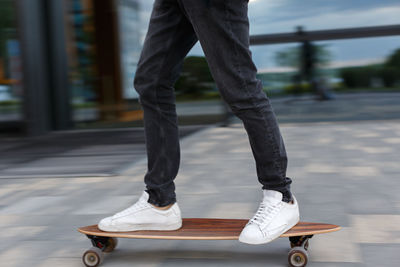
(222, 28)
(169, 38)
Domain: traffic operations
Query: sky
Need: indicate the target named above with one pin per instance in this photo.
(278, 16)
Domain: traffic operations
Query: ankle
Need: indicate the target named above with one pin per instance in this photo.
(162, 208)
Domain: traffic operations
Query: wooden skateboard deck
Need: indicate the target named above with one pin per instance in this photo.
(203, 229)
(210, 229)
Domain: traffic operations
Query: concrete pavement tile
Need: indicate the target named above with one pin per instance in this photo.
(63, 234)
(139, 252)
(378, 229)
(37, 205)
(361, 171)
(15, 220)
(229, 253)
(62, 262)
(335, 213)
(335, 264)
(335, 247)
(231, 210)
(106, 205)
(363, 202)
(27, 251)
(381, 255)
(320, 168)
(22, 232)
(392, 140)
(7, 220)
(199, 188)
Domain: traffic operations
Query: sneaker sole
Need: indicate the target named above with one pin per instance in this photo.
(250, 242)
(141, 227)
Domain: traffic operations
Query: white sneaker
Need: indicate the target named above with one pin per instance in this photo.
(143, 216)
(273, 218)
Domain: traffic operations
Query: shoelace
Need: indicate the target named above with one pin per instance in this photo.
(265, 213)
(137, 206)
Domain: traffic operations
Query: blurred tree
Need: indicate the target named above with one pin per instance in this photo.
(390, 76)
(363, 77)
(394, 60)
(293, 56)
(358, 77)
(289, 57)
(195, 77)
(306, 58)
(390, 72)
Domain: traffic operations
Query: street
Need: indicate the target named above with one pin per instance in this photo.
(343, 173)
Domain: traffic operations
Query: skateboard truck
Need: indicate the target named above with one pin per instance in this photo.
(298, 255)
(94, 256)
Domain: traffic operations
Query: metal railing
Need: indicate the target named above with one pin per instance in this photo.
(322, 35)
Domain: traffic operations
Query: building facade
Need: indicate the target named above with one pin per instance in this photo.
(69, 64)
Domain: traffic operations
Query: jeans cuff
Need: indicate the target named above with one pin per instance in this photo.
(158, 199)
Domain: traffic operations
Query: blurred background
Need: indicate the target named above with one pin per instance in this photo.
(70, 64)
(68, 110)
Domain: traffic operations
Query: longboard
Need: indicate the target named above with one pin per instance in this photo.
(203, 229)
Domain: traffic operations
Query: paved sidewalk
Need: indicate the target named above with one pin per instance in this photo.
(344, 173)
(74, 153)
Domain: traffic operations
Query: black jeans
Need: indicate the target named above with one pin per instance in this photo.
(222, 27)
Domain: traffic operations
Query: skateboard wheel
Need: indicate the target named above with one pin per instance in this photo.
(92, 257)
(298, 257)
(112, 243)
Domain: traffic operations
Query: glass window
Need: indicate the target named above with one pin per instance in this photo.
(11, 93)
(103, 51)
